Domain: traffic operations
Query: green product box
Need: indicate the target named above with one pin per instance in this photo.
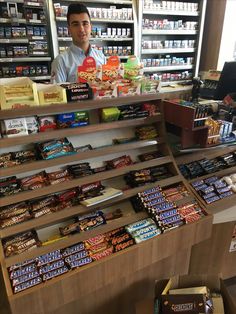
(110, 114)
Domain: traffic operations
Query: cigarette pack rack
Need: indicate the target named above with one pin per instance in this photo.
(24, 38)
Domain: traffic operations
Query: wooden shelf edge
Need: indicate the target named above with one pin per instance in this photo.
(153, 242)
(43, 164)
(219, 173)
(78, 105)
(73, 239)
(23, 196)
(61, 133)
(56, 217)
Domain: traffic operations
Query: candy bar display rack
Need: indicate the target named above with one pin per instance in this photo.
(78, 284)
(221, 205)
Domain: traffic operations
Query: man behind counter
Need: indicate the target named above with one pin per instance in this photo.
(64, 67)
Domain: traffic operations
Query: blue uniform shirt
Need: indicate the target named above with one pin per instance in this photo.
(64, 66)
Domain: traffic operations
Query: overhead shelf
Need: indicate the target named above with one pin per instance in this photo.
(168, 32)
(63, 19)
(168, 68)
(167, 50)
(171, 12)
(14, 41)
(25, 59)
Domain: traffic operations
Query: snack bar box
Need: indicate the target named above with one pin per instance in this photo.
(51, 94)
(18, 92)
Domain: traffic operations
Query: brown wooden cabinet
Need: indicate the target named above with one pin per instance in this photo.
(105, 276)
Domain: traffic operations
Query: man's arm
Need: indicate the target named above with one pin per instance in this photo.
(58, 71)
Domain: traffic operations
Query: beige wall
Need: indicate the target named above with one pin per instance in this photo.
(214, 19)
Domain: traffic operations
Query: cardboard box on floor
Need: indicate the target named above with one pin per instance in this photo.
(147, 306)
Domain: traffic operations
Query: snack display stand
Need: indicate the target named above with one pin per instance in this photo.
(78, 285)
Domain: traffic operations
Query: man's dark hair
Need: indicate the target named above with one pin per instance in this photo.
(76, 8)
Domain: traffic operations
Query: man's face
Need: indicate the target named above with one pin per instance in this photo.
(80, 28)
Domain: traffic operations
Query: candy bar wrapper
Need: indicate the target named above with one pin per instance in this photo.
(26, 277)
(57, 181)
(114, 232)
(212, 199)
(22, 264)
(27, 284)
(55, 273)
(200, 187)
(70, 229)
(102, 254)
(219, 184)
(22, 270)
(54, 144)
(41, 212)
(156, 189)
(152, 207)
(155, 196)
(15, 220)
(13, 210)
(167, 214)
(121, 238)
(146, 236)
(149, 156)
(42, 202)
(211, 180)
(144, 230)
(91, 222)
(50, 267)
(171, 226)
(58, 174)
(139, 224)
(98, 247)
(73, 249)
(31, 182)
(209, 195)
(81, 262)
(226, 194)
(67, 195)
(175, 197)
(170, 220)
(85, 188)
(123, 245)
(58, 152)
(76, 256)
(192, 218)
(83, 148)
(197, 183)
(95, 240)
(48, 258)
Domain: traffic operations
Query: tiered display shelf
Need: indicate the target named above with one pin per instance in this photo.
(141, 255)
(223, 204)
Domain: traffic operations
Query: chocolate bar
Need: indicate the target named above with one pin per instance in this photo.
(121, 238)
(146, 236)
(170, 220)
(52, 266)
(48, 258)
(144, 230)
(139, 224)
(23, 270)
(212, 199)
(81, 262)
(73, 249)
(123, 245)
(24, 278)
(27, 284)
(76, 256)
(55, 273)
(105, 253)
